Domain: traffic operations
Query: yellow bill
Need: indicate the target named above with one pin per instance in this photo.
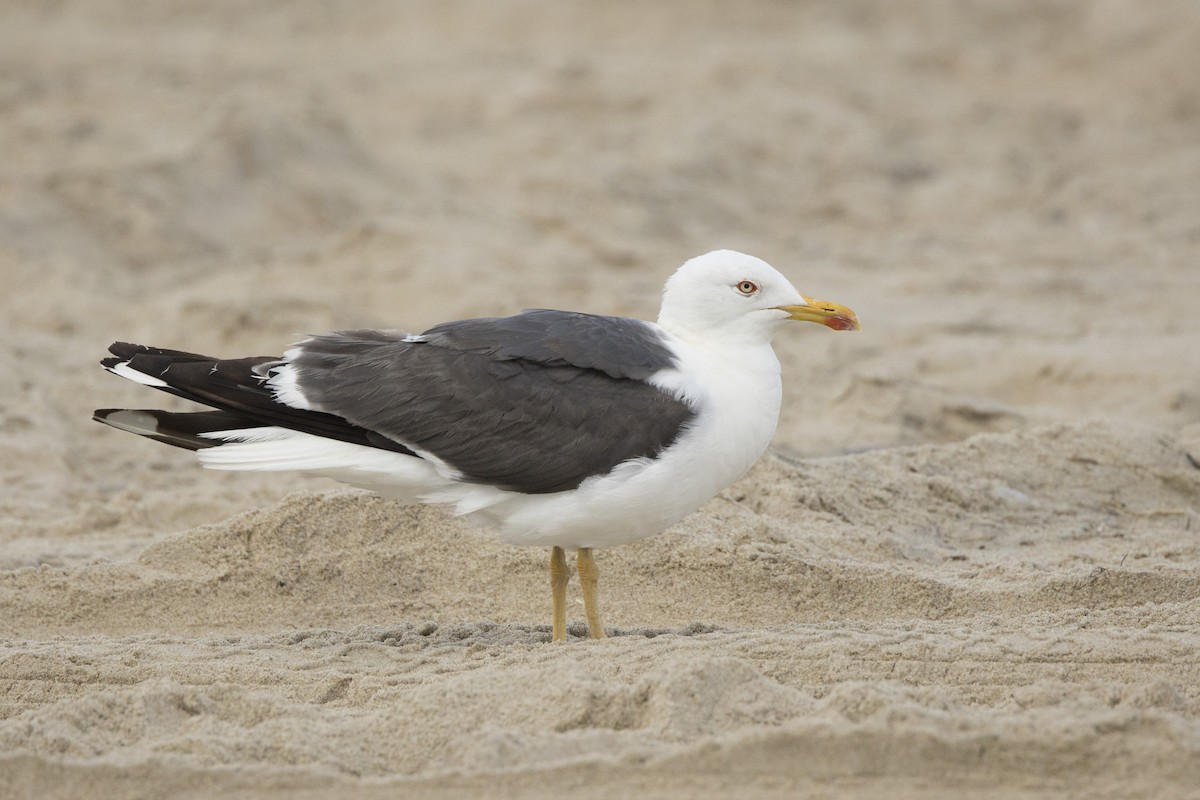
(828, 314)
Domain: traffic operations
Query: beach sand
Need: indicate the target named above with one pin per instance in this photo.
(968, 567)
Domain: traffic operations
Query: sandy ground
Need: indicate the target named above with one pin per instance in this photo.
(968, 567)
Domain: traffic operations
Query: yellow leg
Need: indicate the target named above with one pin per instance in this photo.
(585, 565)
(559, 575)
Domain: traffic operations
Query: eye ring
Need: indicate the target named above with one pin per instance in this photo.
(746, 287)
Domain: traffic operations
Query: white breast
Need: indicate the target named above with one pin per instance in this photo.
(738, 397)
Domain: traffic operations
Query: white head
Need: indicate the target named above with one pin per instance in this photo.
(733, 296)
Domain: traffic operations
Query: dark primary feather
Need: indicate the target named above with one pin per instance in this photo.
(533, 403)
(178, 429)
(233, 385)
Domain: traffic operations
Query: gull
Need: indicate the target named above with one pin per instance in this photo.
(555, 429)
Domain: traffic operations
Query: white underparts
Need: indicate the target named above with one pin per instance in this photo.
(397, 475)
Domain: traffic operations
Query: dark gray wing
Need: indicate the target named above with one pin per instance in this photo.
(531, 403)
(617, 346)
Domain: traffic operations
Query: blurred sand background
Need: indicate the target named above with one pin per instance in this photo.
(967, 568)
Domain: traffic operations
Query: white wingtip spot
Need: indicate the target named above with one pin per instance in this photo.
(125, 371)
(133, 421)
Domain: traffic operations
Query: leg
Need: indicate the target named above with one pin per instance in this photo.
(559, 575)
(588, 574)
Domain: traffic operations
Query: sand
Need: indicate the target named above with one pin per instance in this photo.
(967, 567)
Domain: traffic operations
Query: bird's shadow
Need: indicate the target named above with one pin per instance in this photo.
(430, 635)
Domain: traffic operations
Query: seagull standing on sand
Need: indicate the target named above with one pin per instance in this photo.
(556, 428)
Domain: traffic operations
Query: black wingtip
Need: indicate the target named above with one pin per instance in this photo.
(126, 350)
(179, 429)
(121, 352)
(103, 415)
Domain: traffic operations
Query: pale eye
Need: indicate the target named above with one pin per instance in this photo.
(747, 287)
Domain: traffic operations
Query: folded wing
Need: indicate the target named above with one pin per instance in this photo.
(533, 403)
